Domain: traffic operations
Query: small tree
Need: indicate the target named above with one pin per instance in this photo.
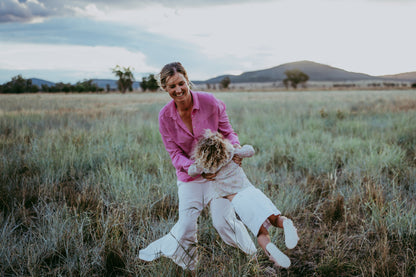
(152, 83)
(143, 84)
(149, 83)
(86, 86)
(125, 78)
(294, 78)
(225, 82)
(44, 88)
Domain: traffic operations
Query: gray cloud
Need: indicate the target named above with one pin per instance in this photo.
(26, 11)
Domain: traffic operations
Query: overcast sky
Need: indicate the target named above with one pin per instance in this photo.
(69, 41)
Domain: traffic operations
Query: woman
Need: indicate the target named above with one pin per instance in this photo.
(181, 122)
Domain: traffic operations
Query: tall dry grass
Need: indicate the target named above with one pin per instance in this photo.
(85, 183)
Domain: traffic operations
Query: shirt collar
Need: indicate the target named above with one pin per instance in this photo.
(172, 107)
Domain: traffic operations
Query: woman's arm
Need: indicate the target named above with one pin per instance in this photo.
(179, 160)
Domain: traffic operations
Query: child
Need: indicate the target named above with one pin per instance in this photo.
(213, 154)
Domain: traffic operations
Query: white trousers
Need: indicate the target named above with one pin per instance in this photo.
(253, 207)
(180, 243)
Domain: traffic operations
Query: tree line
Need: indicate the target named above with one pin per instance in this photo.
(125, 83)
(18, 84)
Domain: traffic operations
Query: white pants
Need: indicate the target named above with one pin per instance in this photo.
(253, 207)
(180, 243)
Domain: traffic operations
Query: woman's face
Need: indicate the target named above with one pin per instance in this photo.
(177, 87)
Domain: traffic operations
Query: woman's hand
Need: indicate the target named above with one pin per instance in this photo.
(209, 176)
(237, 159)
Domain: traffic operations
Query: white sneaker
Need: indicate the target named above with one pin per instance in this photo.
(291, 234)
(277, 256)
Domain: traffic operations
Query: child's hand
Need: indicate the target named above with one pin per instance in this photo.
(237, 159)
(209, 176)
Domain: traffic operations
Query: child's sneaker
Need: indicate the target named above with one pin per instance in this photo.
(291, 234)
(277, 256)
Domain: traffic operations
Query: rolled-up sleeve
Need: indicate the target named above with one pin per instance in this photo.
(179, 159)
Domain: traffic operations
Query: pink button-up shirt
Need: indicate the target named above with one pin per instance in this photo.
(208, 112)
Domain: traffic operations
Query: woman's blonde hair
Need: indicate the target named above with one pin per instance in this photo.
(169, 70)
(212, 151)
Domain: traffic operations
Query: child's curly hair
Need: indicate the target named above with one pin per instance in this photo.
(212, 151)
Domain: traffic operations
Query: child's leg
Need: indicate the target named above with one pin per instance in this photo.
(291, 234)
(277, 256)
(277, 220)
(263, 238)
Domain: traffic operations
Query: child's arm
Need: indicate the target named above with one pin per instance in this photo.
(245, 152)
(194, 170)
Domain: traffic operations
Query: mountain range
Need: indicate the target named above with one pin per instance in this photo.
(316, 72)
(40, 82)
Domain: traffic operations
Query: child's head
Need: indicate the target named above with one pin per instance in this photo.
(212, 151)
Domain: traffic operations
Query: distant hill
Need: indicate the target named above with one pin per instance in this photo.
(40, 82)
(408, 76)
(315, 71)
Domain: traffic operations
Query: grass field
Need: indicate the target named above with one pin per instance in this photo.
(85, 182)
